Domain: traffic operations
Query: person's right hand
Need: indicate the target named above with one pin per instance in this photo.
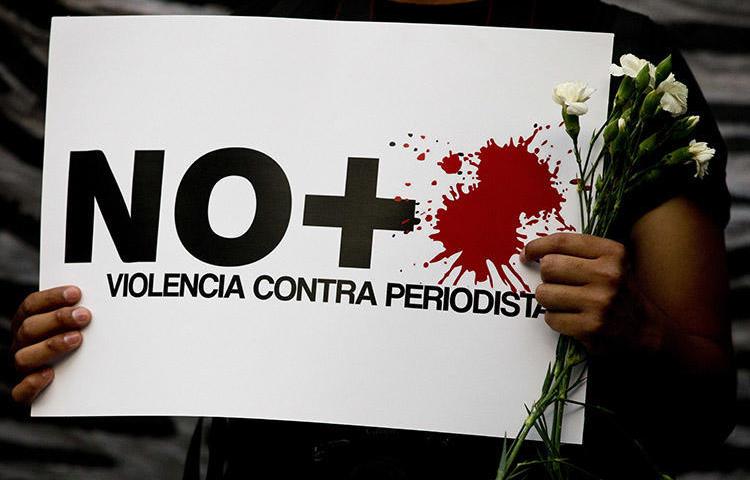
(45, 328)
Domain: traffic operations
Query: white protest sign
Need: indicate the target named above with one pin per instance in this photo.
(308, 220)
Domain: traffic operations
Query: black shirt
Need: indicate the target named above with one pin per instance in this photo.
(275, 449)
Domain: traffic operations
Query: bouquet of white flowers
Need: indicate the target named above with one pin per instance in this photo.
(644, 138)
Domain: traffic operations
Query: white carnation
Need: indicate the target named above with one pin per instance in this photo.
(701, 154)
(572, 96)
(675, 95)
(630, 65)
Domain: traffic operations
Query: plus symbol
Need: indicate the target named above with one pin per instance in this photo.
(359, 212)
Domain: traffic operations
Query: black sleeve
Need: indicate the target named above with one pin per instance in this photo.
(643, 38)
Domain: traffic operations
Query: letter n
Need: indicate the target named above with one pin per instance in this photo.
(91, 180)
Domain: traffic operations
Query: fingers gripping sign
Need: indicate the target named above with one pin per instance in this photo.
(46, 327)
(583, 277)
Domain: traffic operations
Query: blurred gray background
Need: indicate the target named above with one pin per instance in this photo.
(714, 36)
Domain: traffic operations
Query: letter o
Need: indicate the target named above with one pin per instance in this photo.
(292, 288)
(454, 305)
(272, 213)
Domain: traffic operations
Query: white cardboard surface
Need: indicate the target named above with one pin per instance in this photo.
(309, 94)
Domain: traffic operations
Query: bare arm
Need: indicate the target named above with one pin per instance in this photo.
(679, 271)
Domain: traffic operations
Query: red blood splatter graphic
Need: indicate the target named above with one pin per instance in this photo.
(397, 198)
(408, 184)
(421, 156)
(479, 223)
(428, 218)
(451, 163)
(433, 183)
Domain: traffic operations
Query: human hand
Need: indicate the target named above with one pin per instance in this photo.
(45, 328)
(584, 278)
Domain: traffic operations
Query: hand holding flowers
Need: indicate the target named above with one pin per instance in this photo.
(642, 142)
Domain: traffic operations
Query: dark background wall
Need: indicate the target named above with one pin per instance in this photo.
(714, 35)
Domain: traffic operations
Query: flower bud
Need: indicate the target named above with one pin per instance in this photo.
(648, 145)
(684, 127)
(642, 79)
(572, 126)
(611, 130)
(624, 91)
(619, 143)
(678, 156)
(663, 69)
(650, 104)
(648, 178)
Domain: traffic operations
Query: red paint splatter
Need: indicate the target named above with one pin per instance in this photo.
(408, 184)
(426, 264)
(451, 163)
(428, 218)
(421, 156)
(434, 182)
(397, 198)
(406, 145)
(478, 224)
(422, 137)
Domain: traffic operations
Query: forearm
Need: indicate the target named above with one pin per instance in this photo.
(673, 388)
(670, 336)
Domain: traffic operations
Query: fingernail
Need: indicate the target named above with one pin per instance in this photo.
(46, 373)
(80, 316)
(70, 294)
(72, 339)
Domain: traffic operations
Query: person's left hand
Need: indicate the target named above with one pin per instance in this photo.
(583, 278)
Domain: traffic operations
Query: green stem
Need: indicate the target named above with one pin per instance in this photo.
(537, 410)
(581, 186)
